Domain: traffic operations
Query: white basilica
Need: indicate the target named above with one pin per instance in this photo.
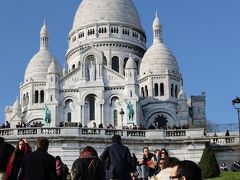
(110, 78)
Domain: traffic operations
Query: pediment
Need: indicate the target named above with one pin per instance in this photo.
(71, 78)
(112, 77)
(16, 117)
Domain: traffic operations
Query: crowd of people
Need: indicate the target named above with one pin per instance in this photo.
(115, 163)
(110, 126)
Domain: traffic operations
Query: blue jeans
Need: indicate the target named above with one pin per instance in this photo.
(143, 171)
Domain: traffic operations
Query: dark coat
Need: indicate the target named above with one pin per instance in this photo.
(90, 168)
(14, 166)
(120, 164)
(38, 165)
(5, 152)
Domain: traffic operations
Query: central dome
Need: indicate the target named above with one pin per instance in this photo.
(118, 11)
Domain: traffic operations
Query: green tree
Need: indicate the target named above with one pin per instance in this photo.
(208, 163)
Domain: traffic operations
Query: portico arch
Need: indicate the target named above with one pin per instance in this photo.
(160, 115)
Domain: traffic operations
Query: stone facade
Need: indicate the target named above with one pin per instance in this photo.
(108, 68)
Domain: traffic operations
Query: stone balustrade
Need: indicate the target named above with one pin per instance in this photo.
(125, 133)
(223, 140)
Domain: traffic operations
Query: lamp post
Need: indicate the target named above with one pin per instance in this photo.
(122, 113)
(236, 104)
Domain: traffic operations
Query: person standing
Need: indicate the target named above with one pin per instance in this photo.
(16, 159)
(88, 166)
(38, 165)
(5, 152)
(119, 160)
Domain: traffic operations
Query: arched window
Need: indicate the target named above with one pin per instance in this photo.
(36, 97)
(69, 117)
(73, 67)
(142, 90)
(115, 118)
(91, 101)
(115, 63)
(51, 98)
(124, 64)
(130, 93)
(41, 96)
(146, 91)
(68, 101)
(161, 89)
(27, 99)
(171, 90)
(24, 100)
(176, 91)
(137, 64)
(156, 89)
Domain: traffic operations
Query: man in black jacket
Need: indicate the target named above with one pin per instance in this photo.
(39, 165)
(5, 152)
(119, 160)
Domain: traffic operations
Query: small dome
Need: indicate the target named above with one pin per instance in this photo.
(64, 71)
(181, 94)
(158, 59)
(131, 63)
(54, 68)
(16, 105)
(93, 11)
(38, 66)
(156, 22)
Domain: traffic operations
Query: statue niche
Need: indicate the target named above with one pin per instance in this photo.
(91, 68)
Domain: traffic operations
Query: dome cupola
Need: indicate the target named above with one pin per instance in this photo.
(157, 30)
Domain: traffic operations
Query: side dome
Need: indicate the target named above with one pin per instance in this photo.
(158, 59)
(38, 66)
(118, 11)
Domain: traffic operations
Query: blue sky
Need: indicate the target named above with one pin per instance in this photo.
(204, 35)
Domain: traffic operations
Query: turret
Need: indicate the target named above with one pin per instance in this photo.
(53, 77)
(131, 78)
(182, 109)
(132, 90)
